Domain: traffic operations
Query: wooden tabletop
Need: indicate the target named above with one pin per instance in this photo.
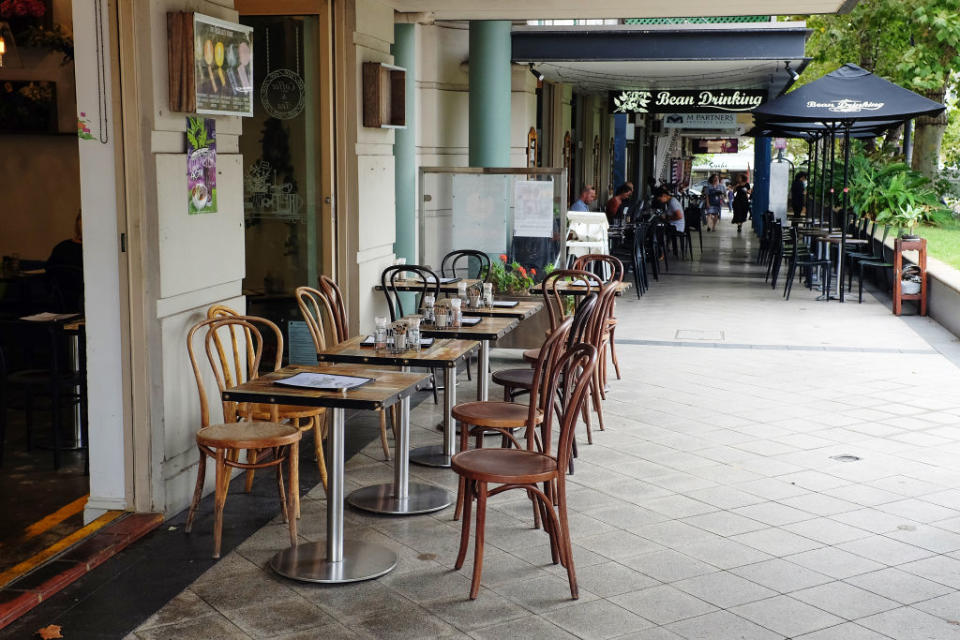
(570, 289)
(387, 388)
(486, 329)
(523, 310)
(445, 353)
(415, 284)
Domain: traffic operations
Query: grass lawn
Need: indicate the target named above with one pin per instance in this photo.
(943, 242)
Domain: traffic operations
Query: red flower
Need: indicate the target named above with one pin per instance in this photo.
(533, 271)
(503, 257)
(522, 271)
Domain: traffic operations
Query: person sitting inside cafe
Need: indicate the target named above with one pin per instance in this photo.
(64, 270)
(673, 214)
(587, 195)
(620, 197)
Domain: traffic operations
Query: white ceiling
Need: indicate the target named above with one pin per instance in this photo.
(574, 9)
(601, 76)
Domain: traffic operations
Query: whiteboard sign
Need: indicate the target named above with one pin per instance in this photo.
(480, 208)
(779, 188)
(533, 208)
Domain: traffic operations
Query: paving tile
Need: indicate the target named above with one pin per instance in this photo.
(668, 565)
(942, 569)
(264, 620)
(402, 624)
(542, 594)
(786, 616)
(907, 622)
(834, 562)
(928, 537)
(663, 605)
(873, 520)
(898, 585)
(618, 545)
(210, 627)
(721, 625)
(885, 550)
(845, 631)
(773, 513)
(918, 510)
(529, 628)
(598, 620)
(844, 600)
(724, 554)
(724, 523)
(780, 575)
(612, 579)
(488, 609)
(777, 541)
(724, 589)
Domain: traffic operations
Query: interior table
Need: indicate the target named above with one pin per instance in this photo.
(570, 289)
(337, 561)
(486, 331)
(521, 311)
(445, 353)
(415, 284)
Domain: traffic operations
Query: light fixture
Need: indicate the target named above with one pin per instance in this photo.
(793, 74)
(536, 74)
(3, 49)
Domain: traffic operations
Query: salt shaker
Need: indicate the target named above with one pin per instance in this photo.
(380, 334)
(427, 311)
(462, 290)
(488, 295)
(413, 333)
(456, 315)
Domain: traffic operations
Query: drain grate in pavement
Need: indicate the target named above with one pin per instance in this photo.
(699, 334)
(845, 458)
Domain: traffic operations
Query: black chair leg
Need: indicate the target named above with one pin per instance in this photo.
(860, 283)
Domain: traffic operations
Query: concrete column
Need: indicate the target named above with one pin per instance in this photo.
(619, 168)
(490, 93)
(405, 147)
(762, 156)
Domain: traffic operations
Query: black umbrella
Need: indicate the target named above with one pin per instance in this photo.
(839, 102)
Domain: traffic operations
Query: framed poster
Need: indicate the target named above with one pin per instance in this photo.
(223, 66)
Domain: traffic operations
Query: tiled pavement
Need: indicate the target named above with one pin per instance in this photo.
(718, 504)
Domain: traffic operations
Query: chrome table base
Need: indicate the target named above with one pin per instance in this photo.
(309, 563)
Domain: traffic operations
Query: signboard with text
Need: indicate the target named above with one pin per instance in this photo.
(700, 121)
(686, 100)
(714, 145)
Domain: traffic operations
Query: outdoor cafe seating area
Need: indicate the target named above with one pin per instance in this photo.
(525, 437)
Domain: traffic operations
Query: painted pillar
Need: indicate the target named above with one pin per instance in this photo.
(490, 93)
(405, 147)
(101, 263)
(619, 167)
(762, 155)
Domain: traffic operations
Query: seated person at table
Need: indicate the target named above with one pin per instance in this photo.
(620, 197)
(674, 212)
(64, 270)
(587, 195)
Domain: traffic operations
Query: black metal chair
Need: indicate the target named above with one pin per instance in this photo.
(878, 262)
(805, 260)
(449, 268)
(426, 280)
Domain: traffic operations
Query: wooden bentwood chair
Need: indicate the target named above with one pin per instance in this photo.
(303, 418)
(587, 263)
(223, 442)
(530, 470)
(313, 303)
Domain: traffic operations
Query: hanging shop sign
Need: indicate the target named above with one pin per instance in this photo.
(700, 121)
(688, 100)
(210, 65)
(714, 145)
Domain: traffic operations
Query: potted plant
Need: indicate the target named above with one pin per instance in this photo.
(511, 278)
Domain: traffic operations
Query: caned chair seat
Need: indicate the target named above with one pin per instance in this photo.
(286, 411)
(248, 435)
(514, 378)
(504, 465)
(494, 415)
(531, 355)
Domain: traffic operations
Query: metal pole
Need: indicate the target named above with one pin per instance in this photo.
(335, 488)
(843, 211)
(483, 376)
(823, 174)
(449, 401)
(812, 197)
(401, 467)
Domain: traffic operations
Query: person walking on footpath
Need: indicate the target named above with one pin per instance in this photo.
(741, 201)
(713, 198)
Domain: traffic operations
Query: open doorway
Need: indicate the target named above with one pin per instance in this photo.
(44, 475)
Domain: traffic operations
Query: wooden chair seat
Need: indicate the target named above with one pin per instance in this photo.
(514, 378)
(286, 411)
(531, 355)
(507, 466)
(247, 435)
(494, 415)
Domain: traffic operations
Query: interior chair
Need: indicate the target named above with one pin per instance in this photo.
(806, 262)
(692, 221)
(880, 262)
(303, 418)
(428, 283)
(469, 257)
(529, 469)
(555, 299)
(224, 441)
(588, 263)
(480, 417)
(313, 303)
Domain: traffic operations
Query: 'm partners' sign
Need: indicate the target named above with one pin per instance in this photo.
(686, 100)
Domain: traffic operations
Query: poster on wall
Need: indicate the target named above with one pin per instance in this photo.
(201, 165)
(533, 208)
(715, 145)
(223, 61)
